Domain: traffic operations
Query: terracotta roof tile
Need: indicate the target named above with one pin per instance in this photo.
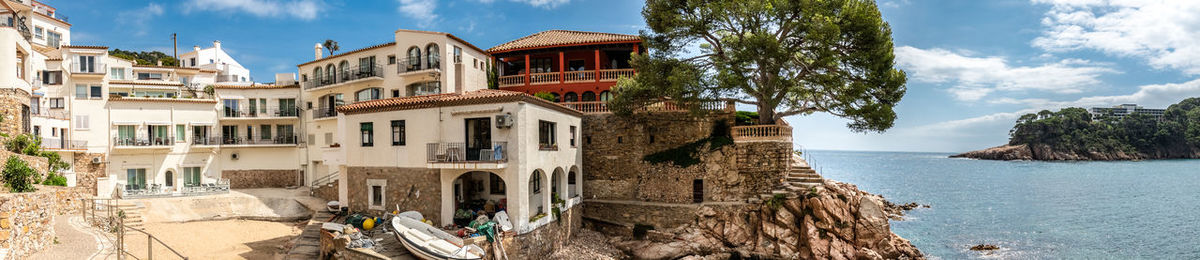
(85, 47)
(145, 82)
(484, 96)
(562, 37)
(372, 47)
(179, 100)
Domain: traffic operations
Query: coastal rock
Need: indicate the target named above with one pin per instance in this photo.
(984, 247)
(1043, 152)
(1003, 152)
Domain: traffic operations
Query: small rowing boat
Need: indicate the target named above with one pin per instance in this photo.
(430, 243)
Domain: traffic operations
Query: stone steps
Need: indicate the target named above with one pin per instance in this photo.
(133, 215)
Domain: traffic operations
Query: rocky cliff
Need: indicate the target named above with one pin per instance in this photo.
(836, 222)
(1044, 152)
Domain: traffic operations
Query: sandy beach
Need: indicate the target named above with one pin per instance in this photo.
(226, 239)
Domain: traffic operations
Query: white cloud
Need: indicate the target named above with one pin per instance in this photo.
(1164, 33)
(139, 19)
(303, 9)
(419, 10)
(548, 4)
(972, 78)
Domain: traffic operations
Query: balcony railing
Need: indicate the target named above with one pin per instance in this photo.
(259, 141)
(403, 66)
(460, 153)
(323, 112)
(95, 68)
(144, 141)
(259, 112)
(55, 143)
(595, 107)
(343, 76)
(762, 133)
(232, 78)
(211, 140)
(47, 113)
(605, 75)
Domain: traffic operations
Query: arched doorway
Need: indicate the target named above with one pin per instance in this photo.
(557, 185)
(170, 178)
(537, 201)
(478, 193)
(573, 181)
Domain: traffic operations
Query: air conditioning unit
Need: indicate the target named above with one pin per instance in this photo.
(95, 160)
(504, 121)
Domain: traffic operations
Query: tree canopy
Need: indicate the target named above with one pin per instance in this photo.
(1175, 134)
(145, 58)
(786, 57)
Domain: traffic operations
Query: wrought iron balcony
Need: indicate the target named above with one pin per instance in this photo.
(343, 75)
(461, 153)
(259, 112)
(144, 141)
(291, 139)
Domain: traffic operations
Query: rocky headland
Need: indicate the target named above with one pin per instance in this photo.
(1042, 152)
(835, 222)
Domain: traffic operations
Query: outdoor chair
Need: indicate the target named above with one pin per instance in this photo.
(441, 155)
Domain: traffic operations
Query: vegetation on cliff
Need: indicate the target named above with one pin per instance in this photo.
(145, 58)
(1073, 134)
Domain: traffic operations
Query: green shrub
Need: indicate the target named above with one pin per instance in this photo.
(54, 179)
(546, 95)
(29, 145)
(18, 177)
(746, 118)
(776, 201)
(688, 154)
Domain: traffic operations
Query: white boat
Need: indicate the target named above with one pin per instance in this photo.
(430, 243)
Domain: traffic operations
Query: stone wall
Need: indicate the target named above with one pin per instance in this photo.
(763, 164)
(39, 164)
(657, 215)
(11, 104)
(416, 189)
(253, 179)
(26, 224)
(86, 172)
(327, 192)
(544, 240)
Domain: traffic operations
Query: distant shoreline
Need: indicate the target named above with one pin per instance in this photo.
(1041, 152)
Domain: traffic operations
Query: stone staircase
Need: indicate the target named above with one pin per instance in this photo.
(308, 244)
(133, 214)
(799, 179)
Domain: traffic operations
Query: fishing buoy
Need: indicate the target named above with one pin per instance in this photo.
(368, 224)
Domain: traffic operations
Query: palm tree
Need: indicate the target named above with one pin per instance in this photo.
(330, 45)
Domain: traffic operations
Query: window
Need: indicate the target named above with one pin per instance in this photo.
(312, 139)
(287, 107)
(395, 93)
(136, 178)
(230, 107)
(304, 77)
(344, 67)
(116, 73)
(546, 140)
(52, 77)
(191, 176)
(87, 64)
(264, 132)
(126, 134)
(434, 56)
(367, 94)
(37, 131)
(53, 39)
(497, 185)
(457, 54)
(96, 93)
(193, 62)
(285, 133)
(39, 32)
(170, 178)
(397, 132)
(605, 96)
(149, 76)
(589, 96)
(391, 59)
(229, 134)
(570, 97)
(81, 91)
(366, 65)
(54, 132)
(81, 122)
(200, 135)
(377, 193)
(535, 182)
(572, 136)
(414, 58)
(368, 134)
(180, 133)
(425, 88)
(56, 103)
(317, 75)
(329, 138)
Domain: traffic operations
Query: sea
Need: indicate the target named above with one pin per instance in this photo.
(1032, 210)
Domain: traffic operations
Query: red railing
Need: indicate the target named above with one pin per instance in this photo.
(664, 106)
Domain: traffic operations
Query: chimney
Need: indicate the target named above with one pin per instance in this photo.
(317, 51)
(217, 45)
(196, 47)
(159, 63)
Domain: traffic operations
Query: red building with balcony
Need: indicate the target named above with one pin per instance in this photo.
(574, 66)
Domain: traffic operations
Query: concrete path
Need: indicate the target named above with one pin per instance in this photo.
(76, 240)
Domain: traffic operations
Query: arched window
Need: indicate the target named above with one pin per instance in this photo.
(344, 67)
(318, 76)
(424, 88)
(414, 58)
(537, 202)
(571, 97)
(435, 56)
(368, 94)
(571, 184)
(605, 96)
(331, 72)
(589, 96)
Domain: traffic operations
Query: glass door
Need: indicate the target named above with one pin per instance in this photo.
(126, 134)
(136, 178)
(479, 137)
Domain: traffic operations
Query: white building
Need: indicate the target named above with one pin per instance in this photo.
(215, 58)
(416, 63)
(1120, 111)
(440, 153)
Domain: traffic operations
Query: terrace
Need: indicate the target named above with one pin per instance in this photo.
(259, 112)
(342, 75)
(466, 156)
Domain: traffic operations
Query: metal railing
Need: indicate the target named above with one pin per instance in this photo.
(106, 215)
(154, 190)
(95, 68)
(762, 133)
(461, 153)
(326, 179)
(55, 143)
(144, 141)
(269, 111)
(233, 78)
(404, 66)
(252, 141)
(211, 140)
(344, 75)
(323, 112)
(56, 114)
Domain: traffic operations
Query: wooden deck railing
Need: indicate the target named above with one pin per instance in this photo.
(512, 80)
(762, 133)
(579, 76)
(543, 78)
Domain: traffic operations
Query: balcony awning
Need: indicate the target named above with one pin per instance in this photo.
(126, 123)
(157, 123)
(202, 123)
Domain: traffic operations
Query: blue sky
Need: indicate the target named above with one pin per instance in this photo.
(973, 66)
